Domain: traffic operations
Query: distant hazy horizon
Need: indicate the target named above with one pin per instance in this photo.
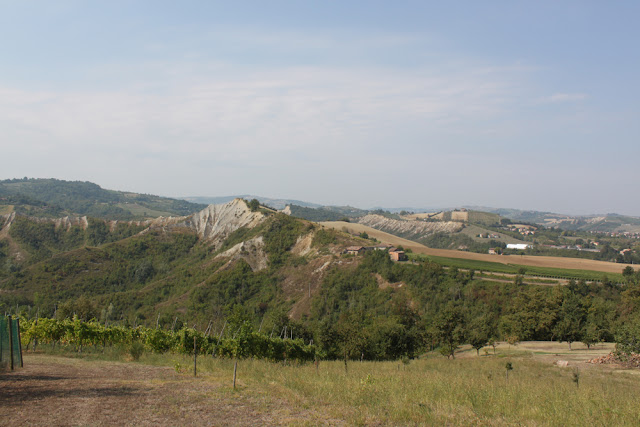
(412, 208)
(523, 105)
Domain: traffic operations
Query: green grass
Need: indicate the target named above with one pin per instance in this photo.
(572, 274)
(496, 267)
(483, 217)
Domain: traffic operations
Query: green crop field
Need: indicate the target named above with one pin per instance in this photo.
(483, 217)
(468, 264)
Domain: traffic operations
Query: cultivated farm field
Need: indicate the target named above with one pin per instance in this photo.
(524, 260)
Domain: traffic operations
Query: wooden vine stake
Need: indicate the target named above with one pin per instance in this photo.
(195, 356)
(35, 340)
(235, 370)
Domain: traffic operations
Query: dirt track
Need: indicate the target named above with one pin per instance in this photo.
(534, 261)
(56, 391)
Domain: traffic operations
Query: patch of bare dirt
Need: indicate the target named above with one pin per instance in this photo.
(252, 251)
(303, 245)
(56, 391)
(14, 249)
(384, 284)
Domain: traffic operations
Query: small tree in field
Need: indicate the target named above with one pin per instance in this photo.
(508, 367)
(570, 326)
(478, 333)
(518, 280)
(591, 335)
(512, 339)
(449, 329)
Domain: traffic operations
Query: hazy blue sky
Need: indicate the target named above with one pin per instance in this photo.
(531, 105)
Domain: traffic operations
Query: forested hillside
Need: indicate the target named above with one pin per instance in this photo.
(284, 275)
(54, 198)
(326, 213)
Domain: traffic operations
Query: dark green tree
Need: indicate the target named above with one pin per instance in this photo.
(478, 333)
(571, 319)
(449, 329)
(628, 338)
(253, 205)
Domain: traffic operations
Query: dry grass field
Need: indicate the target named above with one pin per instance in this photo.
(69, 391)
(434, 390)
(473, 231)
(526, 260)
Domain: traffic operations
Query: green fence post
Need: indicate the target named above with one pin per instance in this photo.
(19, 341)
(10, 344)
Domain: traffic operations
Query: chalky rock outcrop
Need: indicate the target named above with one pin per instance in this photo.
(212, 224)
(216, 222)
(414, 230)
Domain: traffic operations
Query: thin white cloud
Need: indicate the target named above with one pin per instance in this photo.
(257, 111)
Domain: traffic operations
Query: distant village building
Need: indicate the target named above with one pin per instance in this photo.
(518, 246)
(397, 255)
(354, 250)
(394, 253)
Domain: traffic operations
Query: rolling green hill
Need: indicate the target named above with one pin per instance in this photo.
(55, 198)
(332, 213)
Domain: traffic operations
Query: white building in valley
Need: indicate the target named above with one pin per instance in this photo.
(519, 246)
